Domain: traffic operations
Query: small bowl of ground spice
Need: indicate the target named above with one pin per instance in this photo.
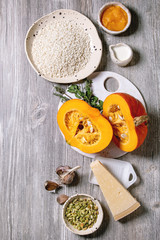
(82, 214)
(114, 18)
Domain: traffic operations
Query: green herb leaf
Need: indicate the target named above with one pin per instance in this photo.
(85, 93)
(63, 98)
(59, 89)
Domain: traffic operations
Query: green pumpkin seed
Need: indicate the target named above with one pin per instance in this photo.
(82, 213)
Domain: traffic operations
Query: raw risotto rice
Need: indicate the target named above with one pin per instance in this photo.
(61, 49)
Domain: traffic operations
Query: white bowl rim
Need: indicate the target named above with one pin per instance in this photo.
(97, 223)
(110, 4)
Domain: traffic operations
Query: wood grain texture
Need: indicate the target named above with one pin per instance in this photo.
(31, 146)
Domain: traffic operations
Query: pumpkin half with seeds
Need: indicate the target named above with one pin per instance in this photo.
(128, 118)
(83, 126)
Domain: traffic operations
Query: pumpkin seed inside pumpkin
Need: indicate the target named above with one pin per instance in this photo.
(82, 127)
(120, 129)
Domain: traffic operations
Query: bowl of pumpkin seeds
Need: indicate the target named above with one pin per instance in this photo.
(82, 214)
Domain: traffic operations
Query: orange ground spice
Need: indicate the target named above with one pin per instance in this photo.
(114, 18)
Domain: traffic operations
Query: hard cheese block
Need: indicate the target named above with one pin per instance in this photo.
(120, 201)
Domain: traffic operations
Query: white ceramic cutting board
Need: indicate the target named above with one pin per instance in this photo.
(99, 90)
(123, 171)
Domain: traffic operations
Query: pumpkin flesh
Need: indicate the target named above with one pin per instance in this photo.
(83, 126)
(121, 109)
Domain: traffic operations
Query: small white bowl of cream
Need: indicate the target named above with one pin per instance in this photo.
(121, 54)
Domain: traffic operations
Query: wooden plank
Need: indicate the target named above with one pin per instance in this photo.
(31, 146)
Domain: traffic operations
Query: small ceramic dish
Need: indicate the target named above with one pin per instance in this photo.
(81, 21)
(103, 9)
(89, 230)
(121, 54)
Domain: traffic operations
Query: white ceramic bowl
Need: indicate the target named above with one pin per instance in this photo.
(89, 230)
(117, 4)
(80, 20)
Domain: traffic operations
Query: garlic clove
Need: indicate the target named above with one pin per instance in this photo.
(61, 199)
(51, 186)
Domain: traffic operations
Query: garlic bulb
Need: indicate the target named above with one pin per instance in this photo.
(66, 174)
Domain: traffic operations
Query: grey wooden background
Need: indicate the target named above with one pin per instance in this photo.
(31, 146)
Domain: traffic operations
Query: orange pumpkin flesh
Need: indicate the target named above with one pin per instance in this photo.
(83, 126)
(123, 110)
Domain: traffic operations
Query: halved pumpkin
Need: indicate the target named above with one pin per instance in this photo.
(83, 126)
(128, 118)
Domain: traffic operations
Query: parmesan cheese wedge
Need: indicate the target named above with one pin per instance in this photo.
(120, 201)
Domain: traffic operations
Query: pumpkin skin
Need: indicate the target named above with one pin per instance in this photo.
(83, 126)
(123, 110)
